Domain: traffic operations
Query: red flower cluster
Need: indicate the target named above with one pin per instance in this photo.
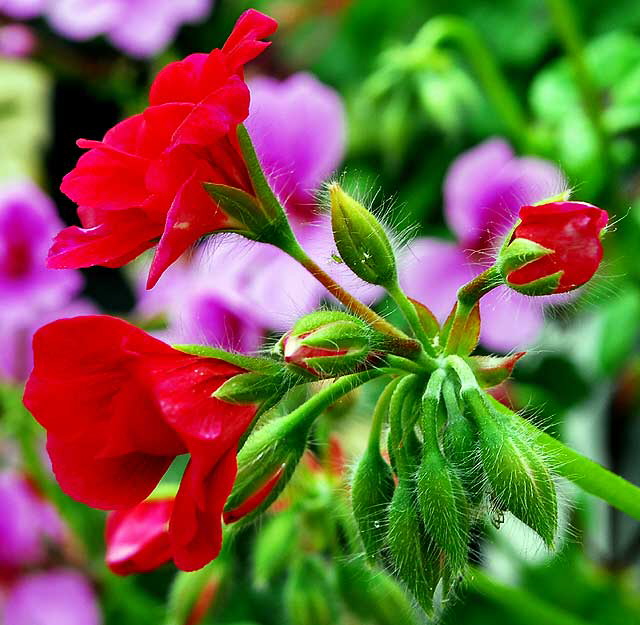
(142, 184)
(119, 406)
(572, 231)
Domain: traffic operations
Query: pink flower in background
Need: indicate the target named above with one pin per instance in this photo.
(298, 128)
(140, 28)
(55, 597)
(31, 294)
(17, 41)
(483, 192)
(28, 523)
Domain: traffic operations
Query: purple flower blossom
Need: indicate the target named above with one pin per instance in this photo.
(298, 128)
(140, 28)
(30, 293)
(16, 41)
(483, 192)
(57, 597)
(27, 522)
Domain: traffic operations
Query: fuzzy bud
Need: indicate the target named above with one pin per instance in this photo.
(371, 493)
(516, 471)
(555, 247)
(328, 344)
(361, 240)
(265, 464)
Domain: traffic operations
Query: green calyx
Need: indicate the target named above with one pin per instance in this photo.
(361, 240)
(329, 344)
(519, 253)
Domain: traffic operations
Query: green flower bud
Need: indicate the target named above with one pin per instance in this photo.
(266, 463)
(444, 508)
(460, 446)
(415, 557)
(373, 595)
(328, 344)
(310, 594)
(373, 484)
(361, 240)
(441, 497)
(516, 471)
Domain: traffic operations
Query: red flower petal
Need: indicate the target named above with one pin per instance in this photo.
(243, 44)
(138, 539)
(572, 230)
(105, 483)
(195, 528)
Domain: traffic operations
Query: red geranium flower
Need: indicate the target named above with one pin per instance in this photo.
(119, 405)
(138, 538)
(572, 231)
(142, 184)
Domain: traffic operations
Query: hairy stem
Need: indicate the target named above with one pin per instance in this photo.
(411, 315)
(349, 301)
(306, 414)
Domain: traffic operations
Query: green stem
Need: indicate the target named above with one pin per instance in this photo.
(450, 27)
(520, 603)
(468, 296)
(342, 295)
(402, 391)
(421, 366)
(305, 415)
(380, 413)
(430, 404)
(411, 315)
(565, 22)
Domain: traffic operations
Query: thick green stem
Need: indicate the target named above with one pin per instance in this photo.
(449, 27)
(526, 607)
(305, 415)
(565, 23)
(411, 315)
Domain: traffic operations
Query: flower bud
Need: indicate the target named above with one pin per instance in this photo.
(460, 444)
(517, 474)
(554, 248)
(310, 594)
(415, 556)
(371, 493)
(328, 344)
(444, 508)
(361, 240)
(265, 464)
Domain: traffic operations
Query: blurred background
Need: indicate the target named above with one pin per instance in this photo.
(445, 116)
